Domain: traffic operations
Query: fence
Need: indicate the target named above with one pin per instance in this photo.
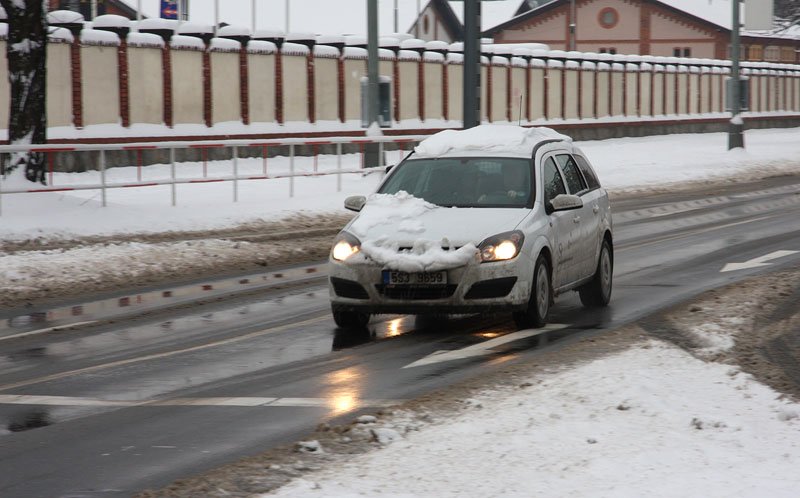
(401, 144)
(140, 85)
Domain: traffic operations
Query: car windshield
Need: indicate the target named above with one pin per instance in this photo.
(465, 181)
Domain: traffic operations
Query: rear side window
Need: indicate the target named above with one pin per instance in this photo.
(553, 184)
(572, 174)
(588, 172)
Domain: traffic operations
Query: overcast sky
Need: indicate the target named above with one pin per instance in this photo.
(317, 16)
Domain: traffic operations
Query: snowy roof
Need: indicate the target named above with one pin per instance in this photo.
(486, 139)
(492, 13)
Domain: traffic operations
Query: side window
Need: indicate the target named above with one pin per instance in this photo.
(553, 184)
(588, 172)
(572, 175)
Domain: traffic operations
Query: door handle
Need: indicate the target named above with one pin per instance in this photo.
(576, 219)
(596, 209)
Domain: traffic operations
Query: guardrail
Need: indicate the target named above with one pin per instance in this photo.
(403, 145)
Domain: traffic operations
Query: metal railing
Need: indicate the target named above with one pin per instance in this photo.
(403, 145)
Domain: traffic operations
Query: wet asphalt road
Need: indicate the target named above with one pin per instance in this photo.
(117, 408)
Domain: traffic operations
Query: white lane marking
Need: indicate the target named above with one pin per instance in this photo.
(757, 262)
(156, 356)
(483, 348)
(48, 329)
(21, 399)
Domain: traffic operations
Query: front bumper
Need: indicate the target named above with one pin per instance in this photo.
(475, 287)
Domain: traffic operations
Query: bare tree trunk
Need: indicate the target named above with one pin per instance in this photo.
(27, 75)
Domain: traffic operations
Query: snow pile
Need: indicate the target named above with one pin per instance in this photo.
(486, 139)
(111, 21)
(23, 270)
(231, 30)
(424, 255)
(712, 338)
(224, 44)
(389, 209)
(64, 17)
(403, 210)
(611, 427)
(136, 39)
(184, 41)
(98, 36)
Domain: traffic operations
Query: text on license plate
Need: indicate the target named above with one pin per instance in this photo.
(391, 277)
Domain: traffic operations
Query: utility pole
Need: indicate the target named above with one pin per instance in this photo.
(138, 12)
(736, 125)
(253, 17)
(94, 9)
(396, 18)
(286, 28)
(472, 63)
(372, 62)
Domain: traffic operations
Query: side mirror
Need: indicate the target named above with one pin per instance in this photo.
(565, 202)
(355, 203)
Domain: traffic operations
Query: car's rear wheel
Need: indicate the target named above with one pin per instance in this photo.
(597, 293)
(348, 319)
(539, 303)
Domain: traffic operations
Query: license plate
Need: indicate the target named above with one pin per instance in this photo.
(391, 277)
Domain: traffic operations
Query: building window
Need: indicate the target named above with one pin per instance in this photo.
(676, 52)
(426, 25)
(687, 52)
(772, 53)
(608, 17)
(612, 51)
(755, 53)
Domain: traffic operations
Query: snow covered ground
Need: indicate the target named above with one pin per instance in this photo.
(622, 164)
(74, 266)
(650, 421)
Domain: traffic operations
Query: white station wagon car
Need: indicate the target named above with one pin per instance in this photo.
(487, 219)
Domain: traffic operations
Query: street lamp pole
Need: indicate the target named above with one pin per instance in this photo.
(472, 63)
(736, 125)
(372, 61)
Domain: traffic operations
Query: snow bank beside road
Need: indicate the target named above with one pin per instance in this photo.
(651, 421)
(629, 163)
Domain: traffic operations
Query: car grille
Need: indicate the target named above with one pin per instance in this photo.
(416, 292)
(348, 288)
(496, 287)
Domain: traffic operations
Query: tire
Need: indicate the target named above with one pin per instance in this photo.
(541, 296)
(350, 319)
(597, 293)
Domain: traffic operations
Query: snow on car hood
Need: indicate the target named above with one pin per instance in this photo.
(407, 233)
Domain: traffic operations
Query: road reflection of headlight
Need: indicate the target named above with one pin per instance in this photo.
(394, 327)
(343, 403)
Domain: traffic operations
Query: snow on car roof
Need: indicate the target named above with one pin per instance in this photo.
(487, 140)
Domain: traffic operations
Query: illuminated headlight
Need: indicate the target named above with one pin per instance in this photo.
(345, 246)
(501, 247)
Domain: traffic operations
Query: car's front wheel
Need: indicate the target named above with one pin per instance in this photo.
(539, 303)
(348, 319)
(597, 292)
